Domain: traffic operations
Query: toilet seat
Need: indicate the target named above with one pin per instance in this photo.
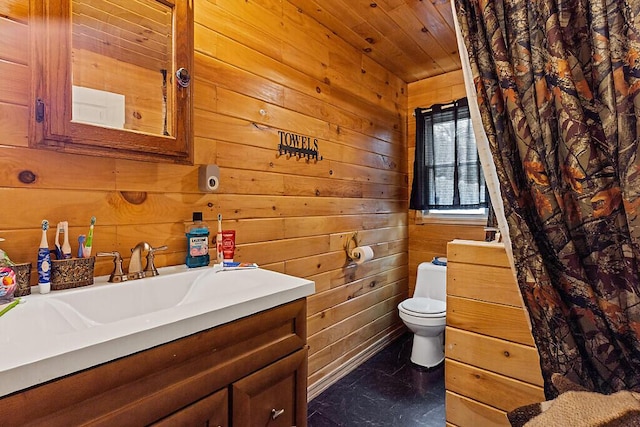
(423, 307)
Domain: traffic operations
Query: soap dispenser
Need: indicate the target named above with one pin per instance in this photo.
(197, 242)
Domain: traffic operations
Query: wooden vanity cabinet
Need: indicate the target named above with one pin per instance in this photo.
(271, 397)
(211, 411)
(233, 374)
(274, 396)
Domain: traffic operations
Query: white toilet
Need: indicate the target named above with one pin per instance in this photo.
(425, 313)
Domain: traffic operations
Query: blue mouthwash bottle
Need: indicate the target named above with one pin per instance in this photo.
(197, 242)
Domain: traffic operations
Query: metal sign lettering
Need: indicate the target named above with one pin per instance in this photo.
(300, 146)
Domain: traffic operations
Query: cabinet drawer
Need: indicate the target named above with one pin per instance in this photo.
(211, 411)
(274, 396)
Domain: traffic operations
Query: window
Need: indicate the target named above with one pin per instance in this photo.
(447, 172)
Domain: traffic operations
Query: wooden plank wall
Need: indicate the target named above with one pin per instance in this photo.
(428, 239)
(491, 365)
(260, 67)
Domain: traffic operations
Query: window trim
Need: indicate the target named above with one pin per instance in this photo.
(426, 217)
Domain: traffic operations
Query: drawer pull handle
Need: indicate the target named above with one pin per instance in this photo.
(275, 414)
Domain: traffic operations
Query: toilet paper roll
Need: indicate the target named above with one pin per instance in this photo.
(362, 254)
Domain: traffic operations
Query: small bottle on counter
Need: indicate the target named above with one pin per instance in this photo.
(197, 242)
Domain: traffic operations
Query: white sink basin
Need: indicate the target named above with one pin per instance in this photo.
(226, 287)
(118, 301)
(45, 317)
(62, 332)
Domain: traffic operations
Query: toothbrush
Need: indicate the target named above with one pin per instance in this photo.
(89, 242)
(66, 247)
(58, 249)
(44, 261)
(6, 307)
(219, 254)
(81, 239)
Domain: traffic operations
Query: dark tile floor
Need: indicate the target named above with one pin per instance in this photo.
(386, 390)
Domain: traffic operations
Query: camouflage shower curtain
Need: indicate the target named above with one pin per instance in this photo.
(558, 87)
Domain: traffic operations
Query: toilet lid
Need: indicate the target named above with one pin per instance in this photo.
(422, 306)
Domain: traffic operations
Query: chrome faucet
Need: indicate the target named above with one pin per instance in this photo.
(135, 264)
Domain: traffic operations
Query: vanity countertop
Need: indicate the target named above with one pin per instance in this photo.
(56, 334)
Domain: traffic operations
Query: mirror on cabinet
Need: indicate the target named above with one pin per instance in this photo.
(111, 77)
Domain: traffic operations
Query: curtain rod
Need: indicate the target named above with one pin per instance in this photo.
(442, 107)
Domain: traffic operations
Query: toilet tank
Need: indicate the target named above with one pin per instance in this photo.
(431, 281)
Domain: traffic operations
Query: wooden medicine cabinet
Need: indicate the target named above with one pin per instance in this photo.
(111, 78)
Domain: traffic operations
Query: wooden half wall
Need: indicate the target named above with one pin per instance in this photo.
(429, 238)
(261, 67)
(492, 365)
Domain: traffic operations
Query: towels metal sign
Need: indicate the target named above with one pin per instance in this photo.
(300, 146)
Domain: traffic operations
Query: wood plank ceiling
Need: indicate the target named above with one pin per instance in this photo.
(414, 39)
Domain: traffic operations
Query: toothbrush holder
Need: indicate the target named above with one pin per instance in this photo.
(71, 273)
(23, 279)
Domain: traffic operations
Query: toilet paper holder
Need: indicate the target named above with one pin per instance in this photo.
(350, 245)
(356, 253)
